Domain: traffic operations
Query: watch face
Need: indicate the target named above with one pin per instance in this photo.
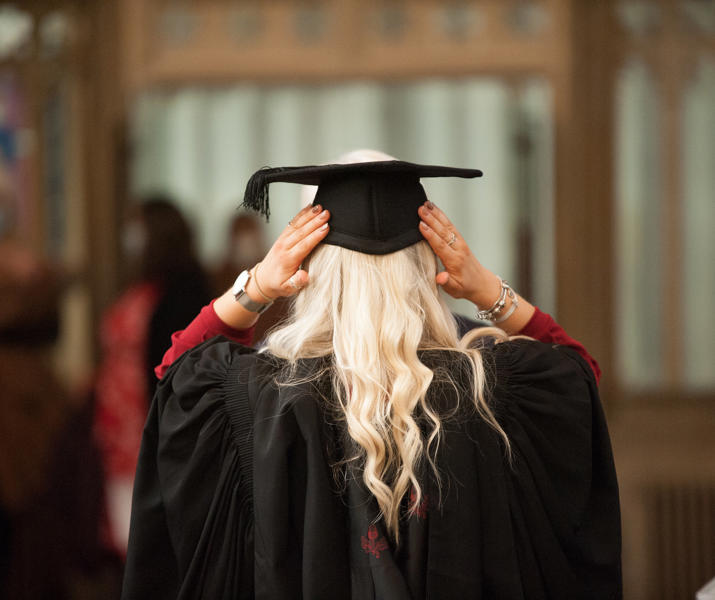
(241, 282)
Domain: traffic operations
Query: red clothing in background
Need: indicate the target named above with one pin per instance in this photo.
(207, 325)
(121, 387)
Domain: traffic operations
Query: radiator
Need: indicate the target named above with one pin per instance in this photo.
(681, 527)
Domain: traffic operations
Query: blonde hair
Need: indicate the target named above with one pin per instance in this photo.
(372, 314)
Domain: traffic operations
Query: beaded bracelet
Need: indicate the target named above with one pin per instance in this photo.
(492, 312)
(512, 308)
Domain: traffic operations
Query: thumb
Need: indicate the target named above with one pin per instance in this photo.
(296, 282)
(442, 278)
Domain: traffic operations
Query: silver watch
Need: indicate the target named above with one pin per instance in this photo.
(239, 293)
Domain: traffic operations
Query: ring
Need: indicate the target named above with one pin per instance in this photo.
(452, 239)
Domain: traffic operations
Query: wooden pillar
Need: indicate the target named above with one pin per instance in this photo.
(103, 156)
(584, 183)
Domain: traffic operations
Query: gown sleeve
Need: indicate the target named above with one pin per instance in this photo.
(191, 532)
(562, 488)
(205, 326)
(542, 327)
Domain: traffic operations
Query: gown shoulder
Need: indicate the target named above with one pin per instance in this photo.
(191, 532)
(562, 478)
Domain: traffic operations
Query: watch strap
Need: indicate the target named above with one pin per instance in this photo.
(240, 295)
(251, 305)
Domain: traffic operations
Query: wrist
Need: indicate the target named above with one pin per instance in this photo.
(253, 293)
(486, 290)
(267, 293)
(232, 313)
(249, 296)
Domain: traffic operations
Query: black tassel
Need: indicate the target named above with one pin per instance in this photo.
(256, 195)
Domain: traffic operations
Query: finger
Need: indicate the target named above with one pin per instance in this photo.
(440, 215)
(446, 233)
(436, 242)
(306, 245)
(440, 223)
(438, 237)
(304, 215)
(309, 226)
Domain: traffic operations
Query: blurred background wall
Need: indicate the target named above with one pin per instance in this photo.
(594, 123)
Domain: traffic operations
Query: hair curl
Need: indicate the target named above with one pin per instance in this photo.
(372, 315)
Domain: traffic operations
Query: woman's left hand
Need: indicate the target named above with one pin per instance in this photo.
(279, 273)
(464, 276)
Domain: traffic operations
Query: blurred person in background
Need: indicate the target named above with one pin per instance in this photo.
(246, 245)
(167, 286)
(35, 408)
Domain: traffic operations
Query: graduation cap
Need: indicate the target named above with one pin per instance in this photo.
(373, 205)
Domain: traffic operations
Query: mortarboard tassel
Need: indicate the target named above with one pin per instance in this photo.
(256, 195)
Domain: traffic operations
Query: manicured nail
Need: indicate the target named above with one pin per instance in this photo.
(316, 209)
(324, 214)
(424, 225)
(429, 205)
(323, 227)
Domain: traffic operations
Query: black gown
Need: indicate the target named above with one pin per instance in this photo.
(237, 492)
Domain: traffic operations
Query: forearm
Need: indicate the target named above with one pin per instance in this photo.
(526, 318)
(232, 313)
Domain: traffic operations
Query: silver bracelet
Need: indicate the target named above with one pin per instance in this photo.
(492, 313)
(512, 308)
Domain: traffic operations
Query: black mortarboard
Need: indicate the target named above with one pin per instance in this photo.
(373, 205)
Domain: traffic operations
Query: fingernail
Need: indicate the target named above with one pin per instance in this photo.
(429, 205)
(316, 208)
(324, 214)
(424, 225)
(323, 227)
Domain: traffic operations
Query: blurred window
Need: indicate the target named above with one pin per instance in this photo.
(698, 197)
(664, 224)
(638, 212)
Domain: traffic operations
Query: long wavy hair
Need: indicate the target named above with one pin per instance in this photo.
(372, 315)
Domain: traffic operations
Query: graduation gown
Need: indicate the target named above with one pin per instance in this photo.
(236, 494)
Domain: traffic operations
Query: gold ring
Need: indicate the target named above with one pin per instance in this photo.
(452, 239)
